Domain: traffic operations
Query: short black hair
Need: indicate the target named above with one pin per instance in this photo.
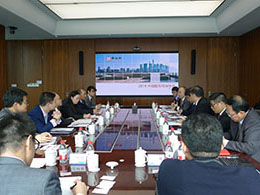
(197, 90)
(238, 103)
(175, 89)
(203, 135)
(218, 97)
(14, 128)
(91, 87)
(13, 95)
(46, 97)
(74, 93)
(187, 92)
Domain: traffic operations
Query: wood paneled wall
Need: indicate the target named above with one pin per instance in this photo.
(56, 63)
(249, 66)
(3, 71)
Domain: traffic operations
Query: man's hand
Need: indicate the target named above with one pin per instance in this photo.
(80, 188)
(56, 115)
(86, 115)
(44, 137)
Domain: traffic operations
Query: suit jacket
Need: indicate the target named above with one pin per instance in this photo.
(205, 177)
(225, 121)
(38, 118)
(184, 105)
(203, 106)
(18, 178)
(246, 138)
(90, 103)
(68, 109)
(84, 108)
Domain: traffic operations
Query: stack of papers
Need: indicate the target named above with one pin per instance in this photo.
(64, 131)
(105, 185)
(53, 140)
(81, 123)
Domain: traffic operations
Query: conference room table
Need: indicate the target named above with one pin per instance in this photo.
(118, 141)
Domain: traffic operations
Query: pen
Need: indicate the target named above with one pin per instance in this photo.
(73, 186)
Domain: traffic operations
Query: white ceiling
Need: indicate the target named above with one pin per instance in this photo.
(36, 21)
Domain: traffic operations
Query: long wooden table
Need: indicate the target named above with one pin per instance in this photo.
(117, 142)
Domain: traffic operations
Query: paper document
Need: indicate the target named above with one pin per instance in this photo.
(106, 184)
(62, 129)
(66, 183)
(106, 177)
(53, 140)
(38, 162)
(100, 191)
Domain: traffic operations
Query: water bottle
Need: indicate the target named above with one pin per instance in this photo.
(165, 127)
(107, 106)
(134, 109)
(181, 155)
(169, 153)
(90, 148)
(63, 152)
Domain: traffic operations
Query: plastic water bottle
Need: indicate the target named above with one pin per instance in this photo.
(169, 153)
(181, 155)
(90, 148)
(134, 109)
(107, 106)
(165, 127)
(63, 152)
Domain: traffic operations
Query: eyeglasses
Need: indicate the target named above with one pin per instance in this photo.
(213, 105)
(36, 142)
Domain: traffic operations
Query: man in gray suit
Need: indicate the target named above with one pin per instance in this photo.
(244, 134)
(17, 148)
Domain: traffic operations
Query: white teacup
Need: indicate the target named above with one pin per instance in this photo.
(50, 157)
(79, 140)
(101, 120)
(93, 162)
(140, 158)
(92, 129)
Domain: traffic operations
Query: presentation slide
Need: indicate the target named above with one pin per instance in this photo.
(136, 74)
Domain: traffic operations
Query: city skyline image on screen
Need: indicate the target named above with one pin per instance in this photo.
(136, 74)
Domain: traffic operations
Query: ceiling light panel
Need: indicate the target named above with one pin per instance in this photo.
(82, 9)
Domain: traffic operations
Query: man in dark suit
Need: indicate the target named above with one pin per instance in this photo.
(41, 114)
(82, 102)
(201, 103)
(218, 105)
(90, 101)
(175, 95)
(17, 148)
(183, 102)
(202, 174)
(244, 134)
(16, 101)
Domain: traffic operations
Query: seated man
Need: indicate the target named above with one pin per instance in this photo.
(41, 114)
(202, 174)
(15, 101)
(175, 95)
(90, 101)
(183, 102)
(82, 102)
(64, 121)
(17, 148)
(244, 134)
(218, 105)
(201, 103)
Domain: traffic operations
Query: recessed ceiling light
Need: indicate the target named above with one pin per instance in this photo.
(88, 9)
